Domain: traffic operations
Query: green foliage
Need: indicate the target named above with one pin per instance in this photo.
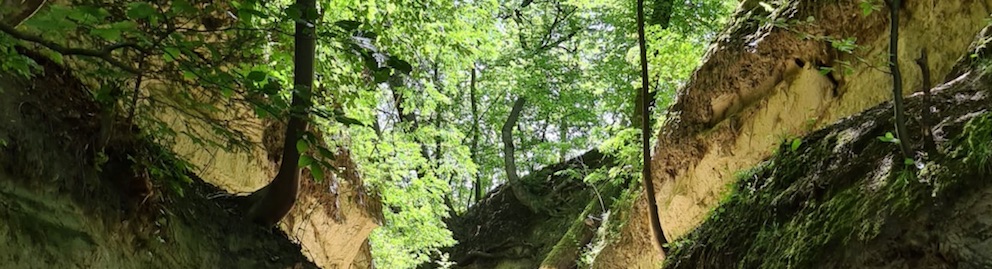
(11, 61)
(869, 6)
(889, 138)
(807, 213)
(796, 142)
(393, 86)
(974, 143)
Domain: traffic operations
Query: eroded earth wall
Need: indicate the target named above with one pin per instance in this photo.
(763, 82)
(331, 220)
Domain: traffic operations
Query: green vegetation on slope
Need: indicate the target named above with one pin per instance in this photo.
(830, 199)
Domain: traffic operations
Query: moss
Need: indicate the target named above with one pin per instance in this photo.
(565, 253)
(969, 158)
(798, 209)
(976, 142)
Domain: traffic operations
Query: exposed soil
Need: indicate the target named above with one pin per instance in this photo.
(761, 83)
(68, 204)
(843, 198)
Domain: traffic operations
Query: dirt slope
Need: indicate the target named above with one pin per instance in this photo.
(332, 220)
(845, 199)
(65, 205)
(761, 83)
(501, 232)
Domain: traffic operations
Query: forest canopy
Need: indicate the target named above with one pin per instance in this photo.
(420, 92)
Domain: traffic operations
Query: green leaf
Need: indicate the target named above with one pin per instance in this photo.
(189, 75)
(796, 143)
(176, 188)
(110, 34)
(909, 161)
(381, 76)
(400, 65)
(248, 13)
(317, 172)
(326, 153)
(140, 10)
(347, 120)
(271, 88)
(348, 25)
(171, 53)
(311, 14)
(257, 76)
(305, 161)
(227, 92)
(867, 6)
(889, 138)
(182, 6)
(260, 111)
(97, 12)
(301, 145)
(125, 26)
(293, 12)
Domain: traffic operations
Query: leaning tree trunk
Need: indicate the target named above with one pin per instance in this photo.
(509, 162)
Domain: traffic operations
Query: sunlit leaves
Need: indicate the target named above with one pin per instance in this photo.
(256, 76)
(377, 57)
(140, 10)
(113, 31)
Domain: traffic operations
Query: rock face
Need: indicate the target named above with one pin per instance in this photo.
(762, 83)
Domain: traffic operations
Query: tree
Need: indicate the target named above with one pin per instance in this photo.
(900, 118)
(272, 202)
(509, 161)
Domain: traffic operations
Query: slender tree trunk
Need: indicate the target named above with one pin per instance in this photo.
(925, 117)
(276, 199)
(479, 190)
(897, 79)
(658, 234)
(562, 140)
(509, 161)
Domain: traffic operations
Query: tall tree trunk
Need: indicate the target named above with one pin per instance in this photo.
(273, 202)
(479, 190)
(509, 161)
(563, 140)
(658, 234)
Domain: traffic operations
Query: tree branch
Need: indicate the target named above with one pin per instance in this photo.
(103, 54)
(897, 80)
(928, 143)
